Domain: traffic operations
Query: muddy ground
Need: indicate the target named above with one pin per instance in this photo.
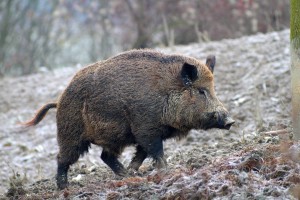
(256, 159)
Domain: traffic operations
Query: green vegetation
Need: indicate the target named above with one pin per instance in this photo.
(295, 23)
(295, 65)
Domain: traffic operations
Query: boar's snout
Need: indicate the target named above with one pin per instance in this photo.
(221, 120)
(228, 122)
(224, 121)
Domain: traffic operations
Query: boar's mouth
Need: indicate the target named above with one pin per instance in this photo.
(228, 123)
(218, 120)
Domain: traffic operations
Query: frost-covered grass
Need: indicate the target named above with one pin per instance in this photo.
(252, 79)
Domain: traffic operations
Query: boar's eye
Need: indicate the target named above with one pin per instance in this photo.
(202, 92)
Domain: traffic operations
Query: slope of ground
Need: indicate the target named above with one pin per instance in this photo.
(248, 162)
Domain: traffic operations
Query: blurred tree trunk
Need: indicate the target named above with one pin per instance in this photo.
(295, 65)
(102, 45)
(4, 31)
(141, 21)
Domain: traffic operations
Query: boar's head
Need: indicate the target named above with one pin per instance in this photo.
(196, 106)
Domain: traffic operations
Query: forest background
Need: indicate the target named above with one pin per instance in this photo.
(39, 35)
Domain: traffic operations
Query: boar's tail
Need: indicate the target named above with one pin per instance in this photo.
(40, 114)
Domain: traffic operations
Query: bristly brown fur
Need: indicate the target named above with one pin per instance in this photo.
(40, 114)
(140, 97)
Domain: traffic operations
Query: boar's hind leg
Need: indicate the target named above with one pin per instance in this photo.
(62, 175)
(68, 154)
(112, 161)
(138, 159)
(63, 163)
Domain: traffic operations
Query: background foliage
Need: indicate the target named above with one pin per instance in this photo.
(37, 35)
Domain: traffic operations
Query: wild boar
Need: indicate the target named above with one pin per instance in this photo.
(141, 98)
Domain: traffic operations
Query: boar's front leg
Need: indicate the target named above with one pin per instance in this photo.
(137, 160)
(112, 161)
(152, 144)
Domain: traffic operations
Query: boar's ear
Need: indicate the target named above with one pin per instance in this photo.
(189, 74)
(210, 62)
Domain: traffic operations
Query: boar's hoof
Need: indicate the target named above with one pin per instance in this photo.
(134, 165)
(62, 182)
(133, 172)
(121, 174)
(160, 163)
